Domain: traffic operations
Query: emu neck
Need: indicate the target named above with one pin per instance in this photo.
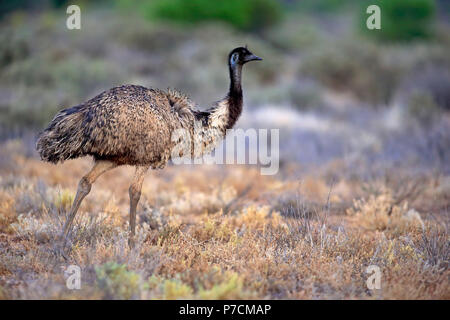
(222, 116)
(234, 95)
(235, 79)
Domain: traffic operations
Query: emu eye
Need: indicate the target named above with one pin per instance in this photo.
(234, 58)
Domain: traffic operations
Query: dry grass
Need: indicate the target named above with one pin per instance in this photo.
(211, 232)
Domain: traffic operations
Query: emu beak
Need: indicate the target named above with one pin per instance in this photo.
(252, 57)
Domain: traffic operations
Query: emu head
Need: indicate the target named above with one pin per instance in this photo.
(240, 56)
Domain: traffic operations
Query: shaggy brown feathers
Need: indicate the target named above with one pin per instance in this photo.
(133, 125)
(127, 125)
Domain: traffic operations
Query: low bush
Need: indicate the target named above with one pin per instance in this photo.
(116, 281)
(245, 15)
(402, 20)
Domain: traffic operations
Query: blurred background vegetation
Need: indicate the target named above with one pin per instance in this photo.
(319, 60)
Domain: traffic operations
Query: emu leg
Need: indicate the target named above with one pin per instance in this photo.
(84, 187)
(135, 195)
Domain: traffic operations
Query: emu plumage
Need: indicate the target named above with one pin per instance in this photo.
(126, 125)
(134, 125)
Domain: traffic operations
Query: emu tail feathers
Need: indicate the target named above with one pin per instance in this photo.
(64, 138)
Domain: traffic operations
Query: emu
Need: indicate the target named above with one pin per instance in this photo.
(133, 125)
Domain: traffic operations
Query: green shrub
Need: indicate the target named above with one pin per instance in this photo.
(242, 14)
(116, 281)
(324, 5)
(232, 287)
(169, 289)
(402, 20)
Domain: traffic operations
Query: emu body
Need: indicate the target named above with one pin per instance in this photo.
(133, 125)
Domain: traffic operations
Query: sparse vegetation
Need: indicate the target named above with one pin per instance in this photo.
(314, 244)
(357, 185)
